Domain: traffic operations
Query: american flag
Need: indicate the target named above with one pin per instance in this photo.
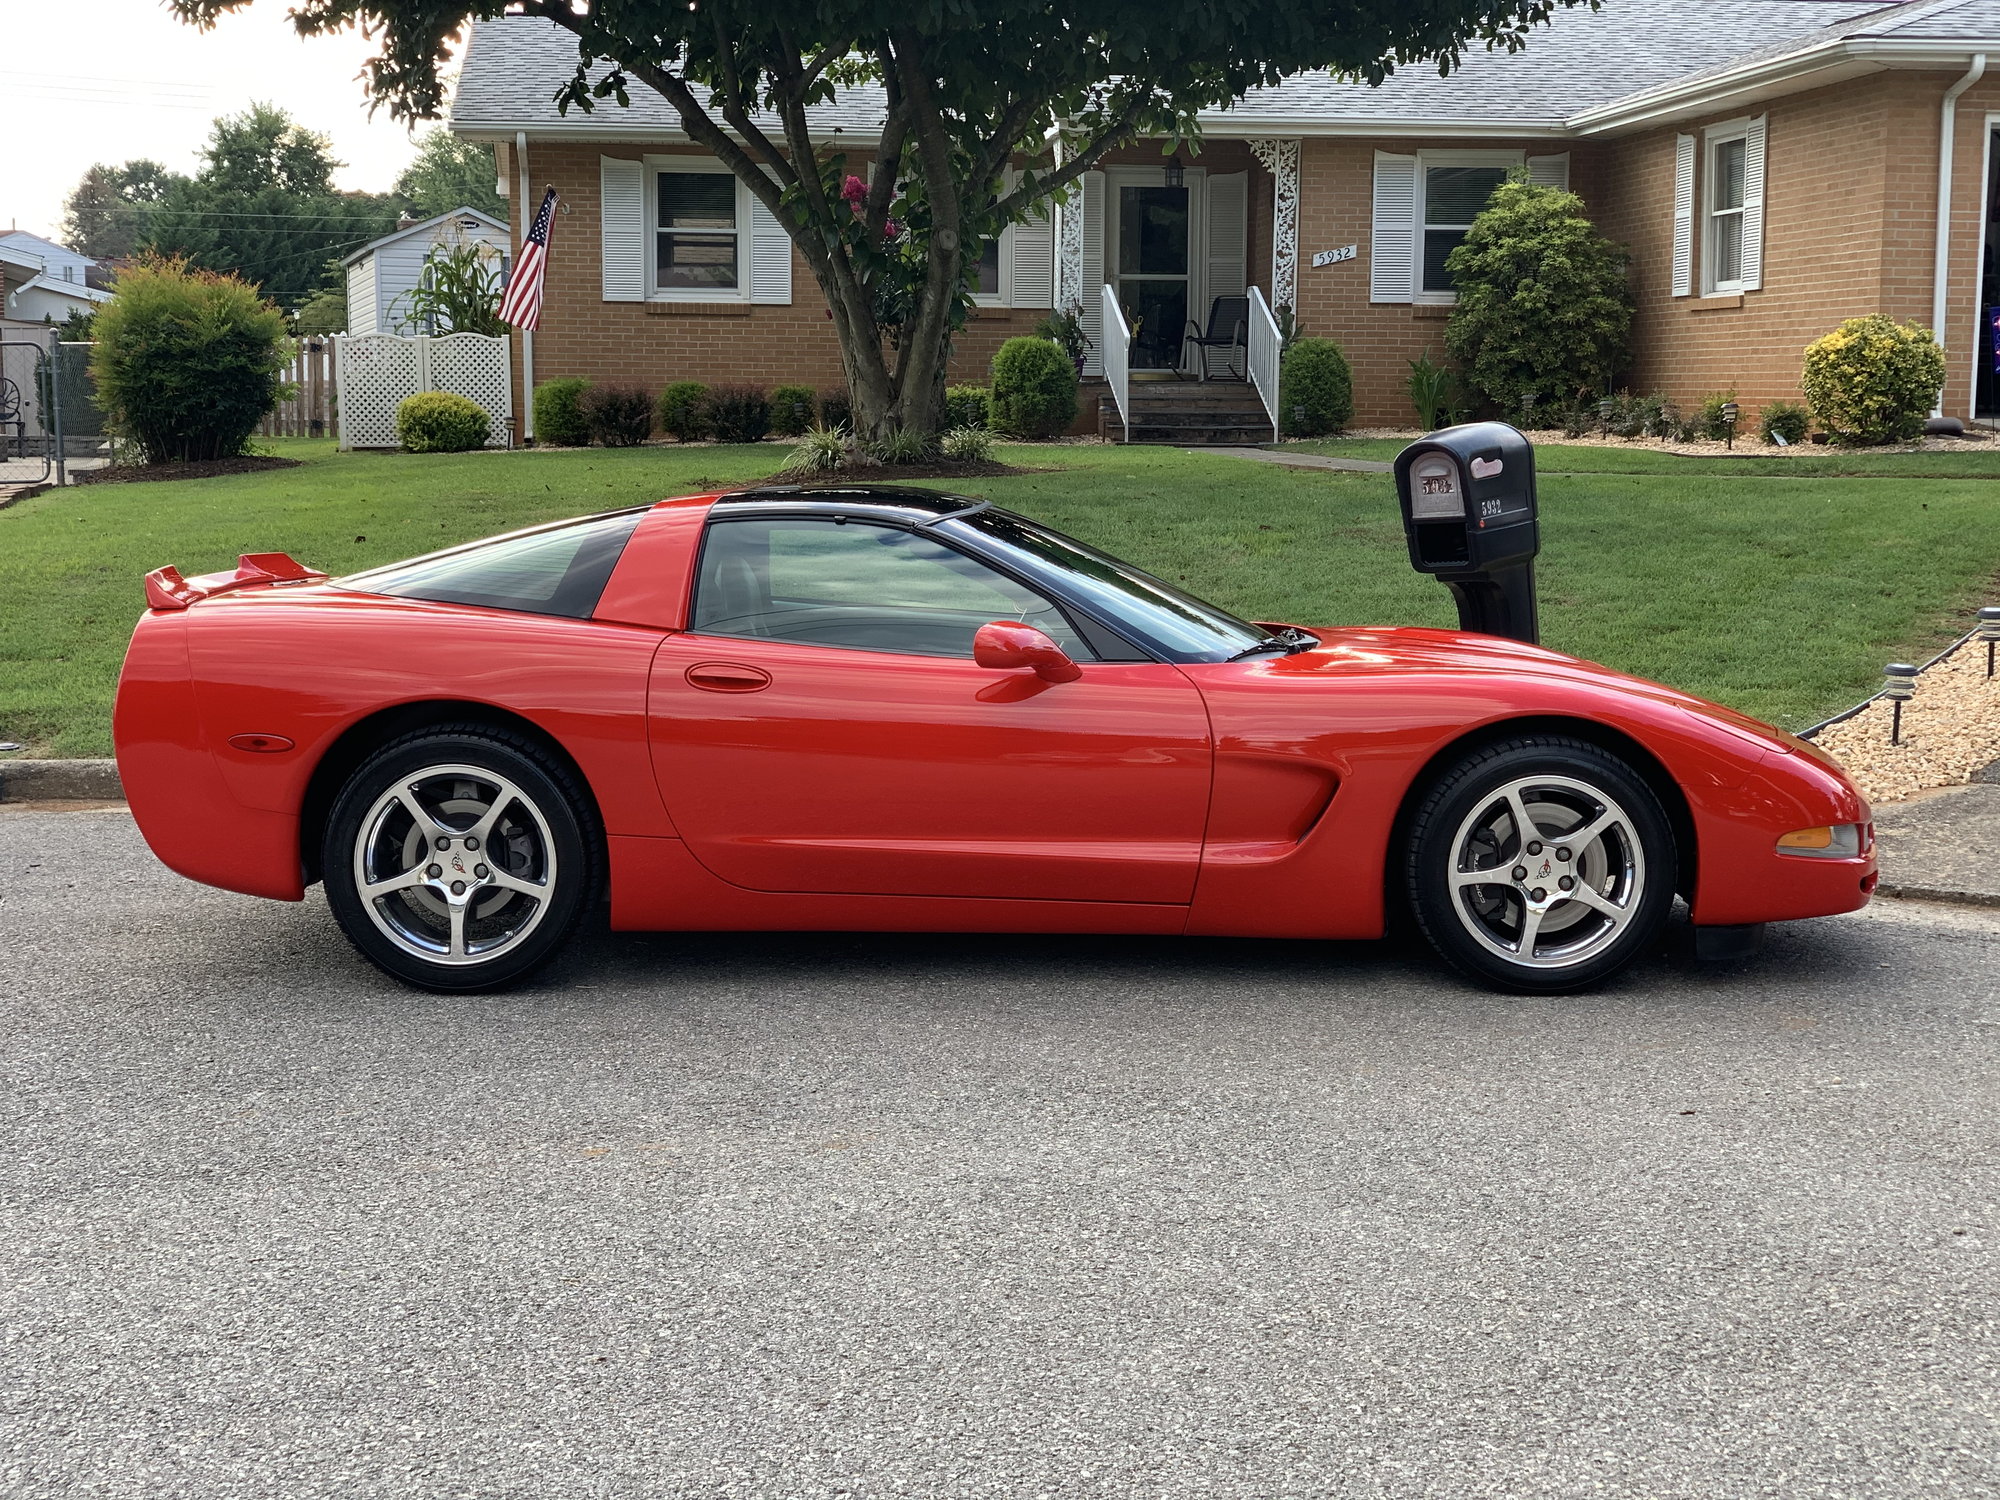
(521, 302)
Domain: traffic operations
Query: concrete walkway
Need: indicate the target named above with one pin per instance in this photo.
(1943, 847)
(1300, 460)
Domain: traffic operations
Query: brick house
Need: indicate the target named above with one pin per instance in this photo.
(1774, 166)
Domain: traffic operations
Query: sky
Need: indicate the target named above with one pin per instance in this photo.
(86, 81)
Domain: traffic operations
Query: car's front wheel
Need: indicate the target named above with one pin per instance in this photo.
(1541, 864)
(459, 859)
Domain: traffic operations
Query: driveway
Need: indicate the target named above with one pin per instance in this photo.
(804, 1216)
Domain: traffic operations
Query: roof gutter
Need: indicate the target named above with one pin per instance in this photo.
(1947, 139)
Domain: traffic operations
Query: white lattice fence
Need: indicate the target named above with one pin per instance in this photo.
(375, 371)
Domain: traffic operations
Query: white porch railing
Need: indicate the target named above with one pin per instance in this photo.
(1114, 347)
(1263, 358)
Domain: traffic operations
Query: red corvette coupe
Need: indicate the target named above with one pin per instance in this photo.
(892, 710)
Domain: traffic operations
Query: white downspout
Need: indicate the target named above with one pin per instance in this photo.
(1947, 139)
(528, 334)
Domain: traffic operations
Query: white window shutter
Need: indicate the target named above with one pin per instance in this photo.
(1228, 239)
(1028, 255)
(770, 255)
(1392, 254)
(622, 221)
(1549, 171)
(1683, 215)
(1091, 202)
(1753, 205)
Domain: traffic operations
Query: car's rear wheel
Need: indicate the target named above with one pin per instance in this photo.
(459, 859)
(1541, 864)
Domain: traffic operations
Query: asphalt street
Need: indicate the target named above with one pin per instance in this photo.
(849, 1215)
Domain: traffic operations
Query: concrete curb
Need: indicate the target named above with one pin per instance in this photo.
(1931, 893)
(60, 781)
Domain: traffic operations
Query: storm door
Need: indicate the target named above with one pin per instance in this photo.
(1153, 256)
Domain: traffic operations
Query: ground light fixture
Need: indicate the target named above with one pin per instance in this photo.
(1989, 632)
(1731, 412)
(1899, 685)
(1604, 410)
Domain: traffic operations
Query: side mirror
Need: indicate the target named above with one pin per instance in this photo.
(1006, 644)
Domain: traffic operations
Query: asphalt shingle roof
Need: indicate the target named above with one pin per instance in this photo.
(1583, 60)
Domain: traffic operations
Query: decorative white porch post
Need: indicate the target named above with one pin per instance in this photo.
(1069, 239)
(1281, 159)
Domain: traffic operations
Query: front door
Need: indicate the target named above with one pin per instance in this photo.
(822, 727)
(1152, 258)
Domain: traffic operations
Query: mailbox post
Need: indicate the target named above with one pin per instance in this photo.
(1468, 501)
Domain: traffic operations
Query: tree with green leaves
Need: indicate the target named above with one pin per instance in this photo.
(105, 217)
(1544, 313)
(967, 91)
(449, 173)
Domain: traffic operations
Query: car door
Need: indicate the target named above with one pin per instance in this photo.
(821, 726)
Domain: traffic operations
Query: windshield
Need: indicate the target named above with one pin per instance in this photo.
(1158, 614)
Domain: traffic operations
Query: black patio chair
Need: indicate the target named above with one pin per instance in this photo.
(1228, 328)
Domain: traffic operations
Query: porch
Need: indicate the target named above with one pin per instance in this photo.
(1158, 255)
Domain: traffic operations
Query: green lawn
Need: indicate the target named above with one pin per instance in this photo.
(1783, 597)
(1752, 460)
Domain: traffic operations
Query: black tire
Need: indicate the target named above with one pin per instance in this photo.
(429, 794)
(1465, 826)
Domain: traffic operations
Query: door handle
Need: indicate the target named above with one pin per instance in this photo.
(727, 677)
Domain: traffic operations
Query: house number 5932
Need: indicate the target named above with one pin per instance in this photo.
(1335, 257)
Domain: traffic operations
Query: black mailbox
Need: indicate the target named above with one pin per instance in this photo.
(1468, 497)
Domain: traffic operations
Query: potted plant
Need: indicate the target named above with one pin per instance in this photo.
(1065, 326)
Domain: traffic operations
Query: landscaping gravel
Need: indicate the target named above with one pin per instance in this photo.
(1951, 730)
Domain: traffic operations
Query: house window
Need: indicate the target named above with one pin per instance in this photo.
(1727, 180)
(989, 270)
(698, 236)
(1452, 198)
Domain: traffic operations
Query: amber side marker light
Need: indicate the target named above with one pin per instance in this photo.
(1841, 841)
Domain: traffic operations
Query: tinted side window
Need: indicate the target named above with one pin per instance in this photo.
(858, 585)
(559, 570)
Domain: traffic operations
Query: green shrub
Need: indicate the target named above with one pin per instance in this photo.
(684, 411)
(187, 362)
(1543, 309)
(1785, 419)
(739, 413)
(1708, 420)
(968, 406)
(820, 451)
(559, 412)
(1315, 388)
(836, 410)
(792, 409)
(1434, 393)
(967, 445)
(1873, 380)
(1034, 388)
(905, 445)
(618, 416)
(441, 422)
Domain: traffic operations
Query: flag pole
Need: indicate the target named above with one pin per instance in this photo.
(527, 334)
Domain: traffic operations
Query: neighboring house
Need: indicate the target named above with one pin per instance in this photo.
(44, 282)
(1774, 166)
(381, 275)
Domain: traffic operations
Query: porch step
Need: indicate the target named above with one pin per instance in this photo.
(1189, 413)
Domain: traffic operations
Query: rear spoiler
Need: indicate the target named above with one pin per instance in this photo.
(166, 589)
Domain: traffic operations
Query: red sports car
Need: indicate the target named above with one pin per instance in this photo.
(886, 709)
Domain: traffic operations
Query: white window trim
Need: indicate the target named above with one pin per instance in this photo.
(1425, 161)
(655, 165)
(1711, 138)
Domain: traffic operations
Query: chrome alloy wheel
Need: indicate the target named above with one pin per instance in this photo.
(1547, 871)
(455, 864)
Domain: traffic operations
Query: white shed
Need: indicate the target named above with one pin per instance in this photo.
(381, 275)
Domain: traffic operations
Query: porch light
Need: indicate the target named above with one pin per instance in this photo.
(1176, 173)
(1989, 632)
(1899, 686)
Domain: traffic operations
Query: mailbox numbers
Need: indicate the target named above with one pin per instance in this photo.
(1435, 492)
(1488, 509)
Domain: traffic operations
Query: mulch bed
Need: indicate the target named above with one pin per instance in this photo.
(885, 473)
(204, 469)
